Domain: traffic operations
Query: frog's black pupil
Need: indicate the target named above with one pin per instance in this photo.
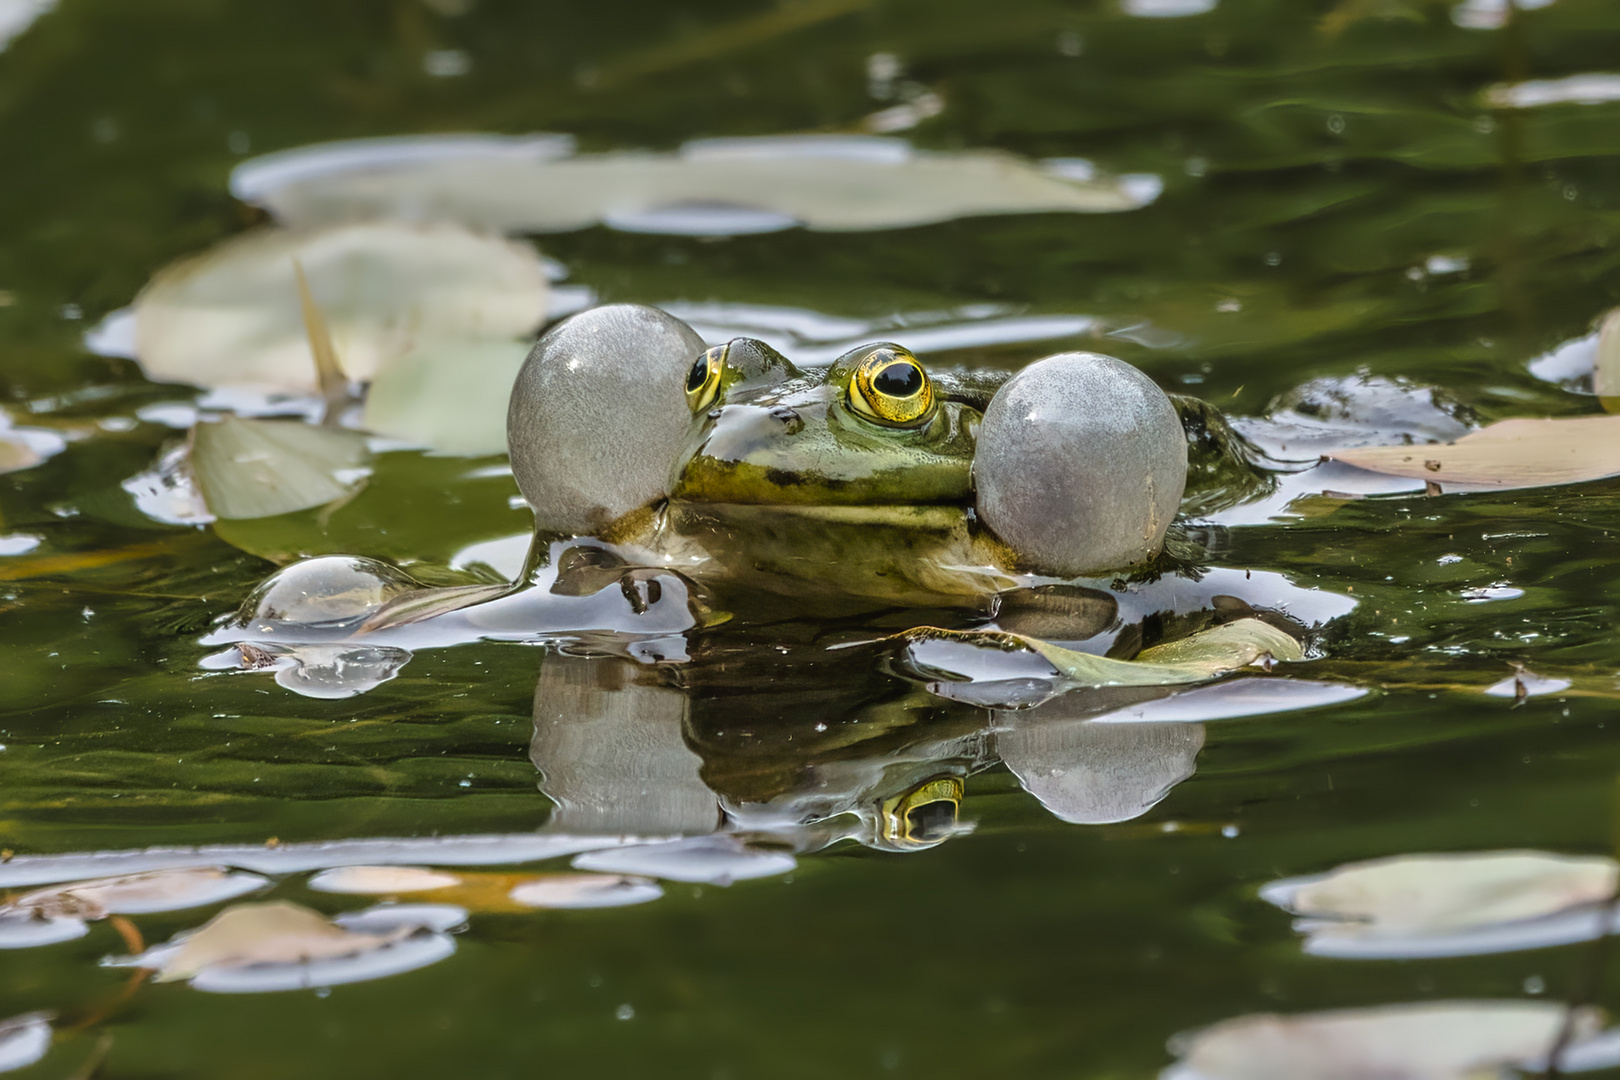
(931, 821)
(899, 379)
(698, 375)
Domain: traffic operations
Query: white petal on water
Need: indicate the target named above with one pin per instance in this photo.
(447, 395)
(1452, 1040)
(712, 860)
(232, 315)
(1448, 904)
(1596, 88)
(24, 1040)
(381, 880)
(712, 187)
(493, 849)
(585, 891)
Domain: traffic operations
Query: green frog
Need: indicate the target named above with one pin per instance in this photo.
(872, 479)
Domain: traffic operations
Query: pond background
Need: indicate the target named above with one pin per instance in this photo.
(1317, 159)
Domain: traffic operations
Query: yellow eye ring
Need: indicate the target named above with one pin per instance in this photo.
(890, 386)
(924, 816)
(703, 380)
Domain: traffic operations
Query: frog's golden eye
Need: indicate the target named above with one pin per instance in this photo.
(891, 387)
(923, 816)
(703, 381)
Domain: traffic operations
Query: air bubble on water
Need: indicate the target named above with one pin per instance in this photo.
(625, 1012)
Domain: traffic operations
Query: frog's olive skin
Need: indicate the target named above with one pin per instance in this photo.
(599, 416)
(1080, 464)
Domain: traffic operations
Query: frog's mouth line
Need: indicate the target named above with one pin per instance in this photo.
(903, 514)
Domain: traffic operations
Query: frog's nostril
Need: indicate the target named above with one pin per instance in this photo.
(790, 419)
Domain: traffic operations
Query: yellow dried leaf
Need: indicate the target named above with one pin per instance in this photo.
(1508, 454)
(269, 933)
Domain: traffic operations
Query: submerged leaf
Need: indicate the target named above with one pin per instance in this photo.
(260, 468)
(234, 315)
(1506, 454)
(1191, 659)
(709, 187)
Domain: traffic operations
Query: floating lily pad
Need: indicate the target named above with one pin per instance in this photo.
(284, 946)
(447, 395)
(262, 468)
(1507, 454)
(1451, 1040)
(1450, 905)
(234, 314)
(60, 912)
(1427, 894)
(531, 184)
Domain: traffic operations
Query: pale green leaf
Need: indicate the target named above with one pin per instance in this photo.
(715, 186)
(447, 395)
(233, 315)
(260, 468)
(1195, 658)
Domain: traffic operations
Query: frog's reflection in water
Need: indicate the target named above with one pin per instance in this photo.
(825, 746)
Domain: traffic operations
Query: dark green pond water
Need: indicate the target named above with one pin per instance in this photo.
(1338, 196)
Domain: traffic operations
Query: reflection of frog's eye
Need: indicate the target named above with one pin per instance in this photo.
(703, 381)
(891, 387)
(923, 816)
